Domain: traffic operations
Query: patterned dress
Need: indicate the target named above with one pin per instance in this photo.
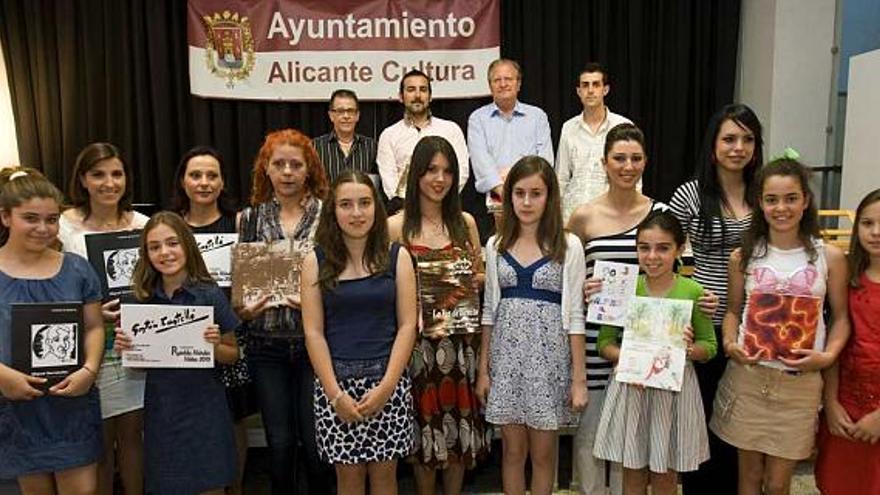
(449, 425)
(530, 359)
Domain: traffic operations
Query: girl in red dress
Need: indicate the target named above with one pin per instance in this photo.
(849, 455)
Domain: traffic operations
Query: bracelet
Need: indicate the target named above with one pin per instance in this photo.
(334, 400)
(86, 367)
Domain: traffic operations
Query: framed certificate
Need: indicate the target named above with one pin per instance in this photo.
(167, 336)
(216, 250)
(47, 339)
(114, 256)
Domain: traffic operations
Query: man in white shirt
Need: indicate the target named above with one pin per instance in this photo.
(396, 143)
(582, 141)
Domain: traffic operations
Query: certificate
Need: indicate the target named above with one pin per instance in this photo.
(653, 351)
(216, 250)
(610, 305)
(167, 336)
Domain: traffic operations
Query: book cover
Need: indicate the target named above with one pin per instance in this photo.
(653, 352)
(48, 339)
(777, 324)
(450, 304)
(610, 305)
(260, 268)
(114, 256)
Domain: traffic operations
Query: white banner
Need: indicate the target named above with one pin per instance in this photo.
(287, 50)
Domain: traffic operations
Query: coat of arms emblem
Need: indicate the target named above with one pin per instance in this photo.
(229, 51)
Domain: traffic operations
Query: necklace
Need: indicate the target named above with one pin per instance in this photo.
(437, 225)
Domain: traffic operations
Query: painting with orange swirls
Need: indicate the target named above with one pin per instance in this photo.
(777, 324)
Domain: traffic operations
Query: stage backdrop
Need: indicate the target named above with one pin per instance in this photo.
(82, 71)
(302, 51)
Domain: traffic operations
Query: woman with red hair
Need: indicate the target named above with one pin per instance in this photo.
(288, 186)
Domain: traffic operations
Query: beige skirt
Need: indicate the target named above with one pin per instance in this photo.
(768, 410)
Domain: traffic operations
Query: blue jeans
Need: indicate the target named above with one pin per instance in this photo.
(284, 382)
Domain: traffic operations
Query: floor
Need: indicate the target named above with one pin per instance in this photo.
(485, 479)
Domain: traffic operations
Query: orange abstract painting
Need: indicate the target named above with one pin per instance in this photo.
(777, 324)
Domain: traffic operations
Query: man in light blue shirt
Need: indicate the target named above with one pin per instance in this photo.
(505, 130)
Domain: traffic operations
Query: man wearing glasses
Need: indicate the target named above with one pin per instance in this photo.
(342, 148)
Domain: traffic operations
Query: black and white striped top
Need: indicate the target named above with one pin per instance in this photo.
(362, 155)
(711, 252)
(620, 248)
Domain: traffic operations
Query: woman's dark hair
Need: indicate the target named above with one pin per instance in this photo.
(858, 259)
(712, 198)
(623, 132)
(180, 201)
(551, 235)
(453, 220)
(90, 156)
(755, 238)
(665, 221)
(329, 238)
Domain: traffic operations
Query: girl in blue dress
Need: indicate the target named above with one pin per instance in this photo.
(532, 375)
(50, 438)
(188, 438)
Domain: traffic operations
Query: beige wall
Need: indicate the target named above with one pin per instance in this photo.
(861, 149)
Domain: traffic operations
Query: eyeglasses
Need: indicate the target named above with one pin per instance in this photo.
(345, 111)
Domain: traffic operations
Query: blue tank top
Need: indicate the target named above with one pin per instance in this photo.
(360, 315)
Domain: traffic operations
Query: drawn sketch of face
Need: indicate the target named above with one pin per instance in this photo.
(120, 266)
(54, 345)
(661, 361)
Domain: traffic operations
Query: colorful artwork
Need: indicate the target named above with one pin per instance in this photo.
(776, 324)
(609, 307)
(653, 350)
(450, 303)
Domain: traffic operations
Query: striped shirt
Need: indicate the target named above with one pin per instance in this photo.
(621, 248)
(711, 252)
(362, 155)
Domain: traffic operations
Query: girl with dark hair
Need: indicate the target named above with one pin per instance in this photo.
(200, 198)
(101, 190)
(188, 439)
(431, 225)
(768, 408)
(849, 455)
(607, 228)
(532, 376)
(656, 434)
(288, 186)
(359, 313)
(715, 209)
(50, 437)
